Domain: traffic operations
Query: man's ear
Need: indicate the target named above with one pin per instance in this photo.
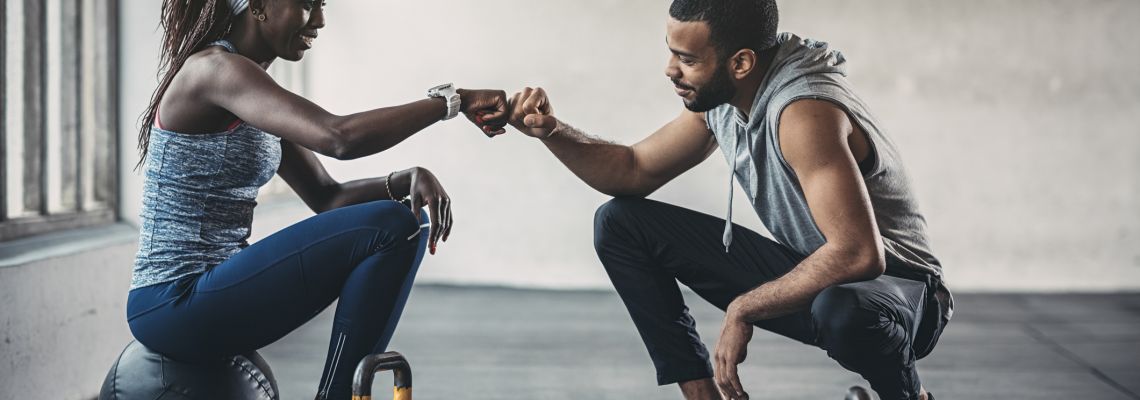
(742, 63)
(258, 5)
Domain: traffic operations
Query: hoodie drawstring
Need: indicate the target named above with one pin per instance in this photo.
(727, 238)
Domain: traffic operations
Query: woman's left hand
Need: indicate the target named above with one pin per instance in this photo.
(426, 191)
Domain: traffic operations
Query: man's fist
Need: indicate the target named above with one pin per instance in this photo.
(532, 114)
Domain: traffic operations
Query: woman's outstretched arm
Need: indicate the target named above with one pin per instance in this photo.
(243, 88)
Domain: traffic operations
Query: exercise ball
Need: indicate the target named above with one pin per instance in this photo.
(141, 373)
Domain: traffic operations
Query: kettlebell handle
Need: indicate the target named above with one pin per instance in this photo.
(373, 363)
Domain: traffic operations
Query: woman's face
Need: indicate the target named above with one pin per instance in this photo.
(291, 26)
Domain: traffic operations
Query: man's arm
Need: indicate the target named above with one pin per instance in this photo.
(610, 168)
(814, 137)
(814, 140)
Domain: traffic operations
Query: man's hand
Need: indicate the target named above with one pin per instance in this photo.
(487, 109)
(532, 114)
(730, 351)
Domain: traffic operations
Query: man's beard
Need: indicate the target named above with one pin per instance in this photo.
(718, 91)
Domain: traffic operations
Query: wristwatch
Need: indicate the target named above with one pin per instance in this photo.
(447, 92)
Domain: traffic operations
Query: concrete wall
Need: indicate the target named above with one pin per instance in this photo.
(140, 41)
(1016, 120)
(63, 322)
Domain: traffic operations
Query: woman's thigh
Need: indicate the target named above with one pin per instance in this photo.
(272, 287)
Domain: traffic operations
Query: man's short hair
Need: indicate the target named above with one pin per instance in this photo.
(733, 24)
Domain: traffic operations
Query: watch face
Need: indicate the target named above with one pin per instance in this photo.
(435, 90)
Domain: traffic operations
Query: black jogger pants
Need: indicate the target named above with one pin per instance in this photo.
(876, 328)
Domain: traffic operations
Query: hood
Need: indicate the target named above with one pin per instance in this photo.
(796, 58)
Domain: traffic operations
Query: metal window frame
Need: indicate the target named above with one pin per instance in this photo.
(3, 109)
(35, 114)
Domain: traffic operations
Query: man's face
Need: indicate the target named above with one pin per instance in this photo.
(699, 76)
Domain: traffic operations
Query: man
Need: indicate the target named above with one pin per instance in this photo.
(852, 272)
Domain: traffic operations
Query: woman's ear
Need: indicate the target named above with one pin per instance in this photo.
(743, 62)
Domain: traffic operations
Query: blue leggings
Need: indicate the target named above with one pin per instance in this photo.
(366, 255)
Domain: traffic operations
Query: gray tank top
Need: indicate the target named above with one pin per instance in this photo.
(198, 198)
(807, 69)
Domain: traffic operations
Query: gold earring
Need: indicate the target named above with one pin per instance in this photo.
(261, 17)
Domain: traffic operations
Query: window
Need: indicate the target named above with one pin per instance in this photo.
(58, 158)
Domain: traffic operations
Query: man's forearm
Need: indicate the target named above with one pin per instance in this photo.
(796, 290)
(606, 166)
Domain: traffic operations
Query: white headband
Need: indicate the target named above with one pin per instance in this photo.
(239, 5)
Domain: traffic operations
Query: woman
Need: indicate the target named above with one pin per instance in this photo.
(216, 130)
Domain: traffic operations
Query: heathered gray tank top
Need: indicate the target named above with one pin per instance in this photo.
(198, 198)
(807, 69)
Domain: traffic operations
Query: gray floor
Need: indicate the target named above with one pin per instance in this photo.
(490, 343)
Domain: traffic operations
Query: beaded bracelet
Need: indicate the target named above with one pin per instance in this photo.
(388, 186)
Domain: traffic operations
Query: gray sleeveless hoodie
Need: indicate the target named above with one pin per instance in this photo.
(808, 69)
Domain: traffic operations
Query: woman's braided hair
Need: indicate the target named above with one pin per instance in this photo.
(188, 26)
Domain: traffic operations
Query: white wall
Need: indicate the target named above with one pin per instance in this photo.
(63, 321)
(1018, 123)
(140, 40)
(1016, 119)
(521, 218)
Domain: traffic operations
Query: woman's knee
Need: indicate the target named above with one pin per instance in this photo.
(387, 215)
(394, 222)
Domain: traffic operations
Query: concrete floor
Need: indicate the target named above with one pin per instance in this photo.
(491, 343)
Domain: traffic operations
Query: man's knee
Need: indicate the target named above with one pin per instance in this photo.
(849, 329)
(616, 208)
(612, 214)
(863, 337)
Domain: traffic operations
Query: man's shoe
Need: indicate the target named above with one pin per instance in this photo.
(858, 393)
(861, 393)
